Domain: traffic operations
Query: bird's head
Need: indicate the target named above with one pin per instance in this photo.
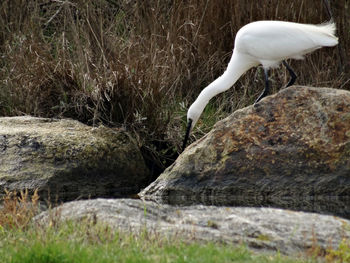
(193, 114)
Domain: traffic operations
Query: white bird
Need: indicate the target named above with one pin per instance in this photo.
(267, 43)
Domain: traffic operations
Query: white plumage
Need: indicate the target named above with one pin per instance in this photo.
(266, 43)
(269, 42)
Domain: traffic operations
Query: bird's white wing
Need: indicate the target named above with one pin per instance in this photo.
(275, 40)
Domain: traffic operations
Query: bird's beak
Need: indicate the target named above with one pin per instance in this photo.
(187, 135)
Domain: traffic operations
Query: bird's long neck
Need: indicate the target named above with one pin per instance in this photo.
(237, 66)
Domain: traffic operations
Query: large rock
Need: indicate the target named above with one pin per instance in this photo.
(259, 228)
(291, 150)
(67, 159)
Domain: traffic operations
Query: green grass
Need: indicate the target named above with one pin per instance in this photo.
(22, 240)
(84, 242)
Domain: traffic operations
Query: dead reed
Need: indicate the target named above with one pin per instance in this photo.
(139, 64)
(17, 209)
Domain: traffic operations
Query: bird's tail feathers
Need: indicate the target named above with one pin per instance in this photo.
(328, 33)
(328, 26)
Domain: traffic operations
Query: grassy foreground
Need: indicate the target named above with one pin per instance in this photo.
(83, 242)
(22, 241)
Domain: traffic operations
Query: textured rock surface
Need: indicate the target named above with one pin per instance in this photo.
(259, 228)
(292, 150)
(68, 159)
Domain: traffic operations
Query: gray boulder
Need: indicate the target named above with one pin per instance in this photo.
(266, 229)
(66, 159)
(291, 150)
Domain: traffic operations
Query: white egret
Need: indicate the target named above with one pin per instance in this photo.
(267, 43)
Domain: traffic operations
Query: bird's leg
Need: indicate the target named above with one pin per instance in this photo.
(267, 86)
(293, 77)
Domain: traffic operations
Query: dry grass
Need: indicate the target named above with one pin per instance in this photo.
(139, 64)
(17, 209)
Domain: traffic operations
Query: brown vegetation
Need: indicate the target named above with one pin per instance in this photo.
(140, 64)
(17, 209)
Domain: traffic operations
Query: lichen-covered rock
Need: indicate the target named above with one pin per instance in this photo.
(259, 228)
(66, 159)
(291, 150)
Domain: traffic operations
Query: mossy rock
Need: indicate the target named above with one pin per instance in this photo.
(65, 159)
(291, 150)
